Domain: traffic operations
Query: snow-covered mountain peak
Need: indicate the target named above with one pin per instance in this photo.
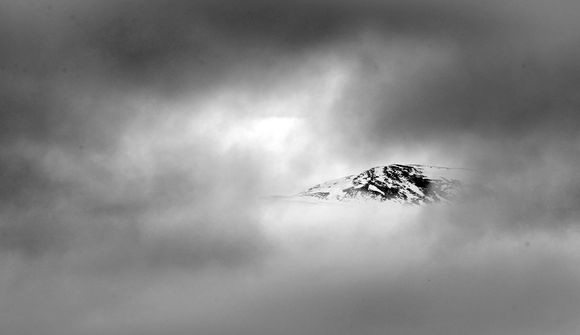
(411, 183)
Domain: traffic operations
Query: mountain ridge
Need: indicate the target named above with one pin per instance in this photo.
(402, 183)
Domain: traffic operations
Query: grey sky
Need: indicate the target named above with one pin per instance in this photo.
(138, 137)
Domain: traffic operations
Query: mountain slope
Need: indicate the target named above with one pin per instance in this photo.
(413, 184)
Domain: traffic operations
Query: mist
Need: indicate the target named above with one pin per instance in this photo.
(140, 142)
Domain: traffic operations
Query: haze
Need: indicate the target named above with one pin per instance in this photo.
(140, 140)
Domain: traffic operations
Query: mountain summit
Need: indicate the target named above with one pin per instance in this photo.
(413, 184)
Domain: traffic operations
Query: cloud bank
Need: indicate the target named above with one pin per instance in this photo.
(138, 139)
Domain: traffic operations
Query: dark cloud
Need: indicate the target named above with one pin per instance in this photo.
(486, 91)
(137, 137)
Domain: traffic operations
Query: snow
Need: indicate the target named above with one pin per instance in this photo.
(395, 183)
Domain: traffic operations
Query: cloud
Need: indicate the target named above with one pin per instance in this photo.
(137, 139)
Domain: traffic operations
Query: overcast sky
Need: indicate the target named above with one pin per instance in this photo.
(138, 140)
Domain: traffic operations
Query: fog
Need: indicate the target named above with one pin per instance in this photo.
(140, 142)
